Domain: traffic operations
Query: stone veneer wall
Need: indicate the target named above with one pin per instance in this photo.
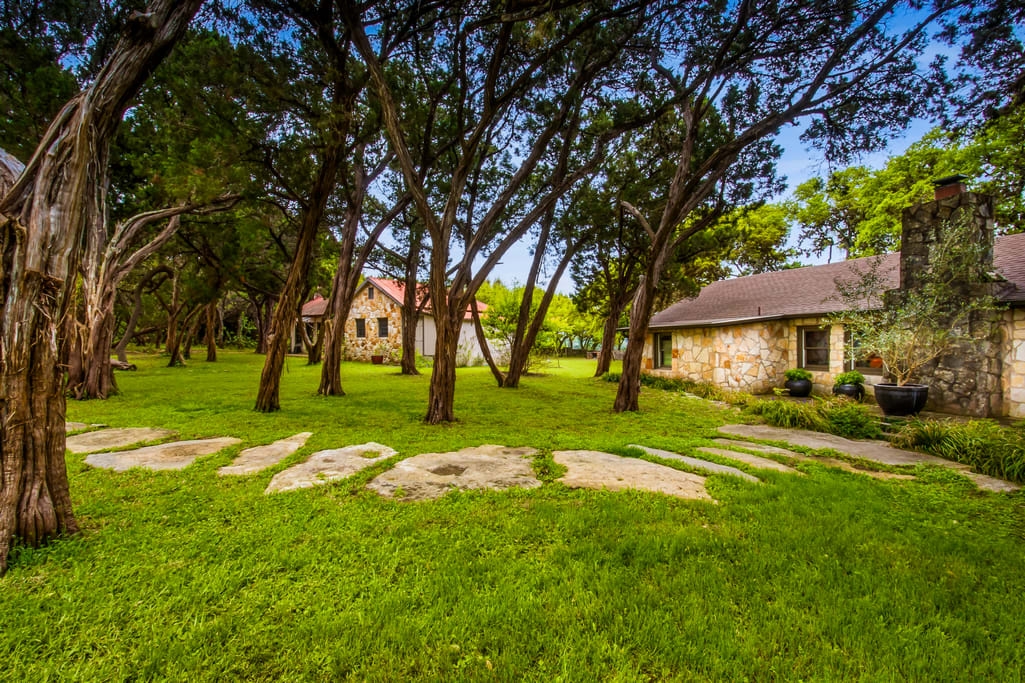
(381, 306)
(1014, 363)
(752, 357)
(749, 357)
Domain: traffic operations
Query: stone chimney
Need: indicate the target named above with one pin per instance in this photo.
(967, 381)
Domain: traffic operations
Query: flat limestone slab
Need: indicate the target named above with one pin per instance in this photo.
(597, 470)
(252, 460)
(831, 462)
(752, 460)
(114, 438)
(713, 467)
(326, 466)
(432, 475)
(176, 455)
(74, 426)
(988, 483)
(869, 450)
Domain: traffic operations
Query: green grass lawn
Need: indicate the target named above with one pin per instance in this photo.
(188, 576)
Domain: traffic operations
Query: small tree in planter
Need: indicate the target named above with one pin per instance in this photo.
(908, 329)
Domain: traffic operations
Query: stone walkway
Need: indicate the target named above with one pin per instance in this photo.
(597, 470)
(697, 463)
(331, 465)
(875, 451)
(166, 456)
(748, 459)
(105, 439)
(793, 455)
(432, 475)
(252, 460)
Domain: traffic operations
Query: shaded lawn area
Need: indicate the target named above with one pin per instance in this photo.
(189, 576)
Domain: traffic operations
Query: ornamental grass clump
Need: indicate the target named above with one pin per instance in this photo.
(982, 444)
(839, 416)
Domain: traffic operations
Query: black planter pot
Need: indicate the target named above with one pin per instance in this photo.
(855, 391)
(799, 388)
(898, 401)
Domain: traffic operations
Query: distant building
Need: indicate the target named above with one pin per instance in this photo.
(375, 323)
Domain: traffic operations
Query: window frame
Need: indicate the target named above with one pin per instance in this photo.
(802, 348)
(370, 292)
(361, 328)
(852, 363)
(382, 322)
(657, 360)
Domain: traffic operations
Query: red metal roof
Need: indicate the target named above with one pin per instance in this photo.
(812, 290)
(395, 289)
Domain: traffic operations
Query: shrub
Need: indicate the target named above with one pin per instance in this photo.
(851, 377)
(982, 444)
(704, 390)
(797, 373)
(839, 416)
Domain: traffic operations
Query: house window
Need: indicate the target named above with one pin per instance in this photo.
(813, 348)
(370, 292)
(871, 365)
(663, 350)
(361, 327)
(382, 327)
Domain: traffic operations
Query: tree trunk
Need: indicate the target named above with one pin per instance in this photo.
(608, 339)
(410, 309)
(314, 347)
(98, 374)
(640, 312)
(262, 309)
(133, 320)
(524, 342)
(284, 314)
(43, 217)
(441, 399)
(211, 331)
(482, 341)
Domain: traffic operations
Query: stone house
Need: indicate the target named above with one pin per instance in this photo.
(375, 323)
(744, 333)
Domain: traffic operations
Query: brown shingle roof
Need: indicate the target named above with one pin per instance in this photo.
(812, 290)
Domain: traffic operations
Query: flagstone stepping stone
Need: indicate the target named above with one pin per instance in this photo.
(74, 426)
(597, 470)
(331, 465)
(713, 467)
(830, 462)
(752, 460)
(875, 451)
(252, 460)
(432, 475)
(114, 438)
(176, 455)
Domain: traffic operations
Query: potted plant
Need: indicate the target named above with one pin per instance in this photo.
(908, 329)
(379, 353)
(850, 384)
(798, 382)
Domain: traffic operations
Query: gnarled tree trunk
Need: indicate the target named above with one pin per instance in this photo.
(133, 320)
(284, 314)
(211, 331)
(608, 340)
(43, 216)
